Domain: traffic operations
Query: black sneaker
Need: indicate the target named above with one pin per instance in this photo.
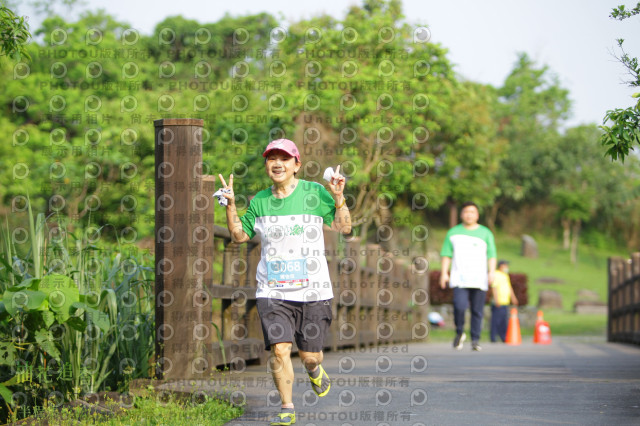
(458, 341)
(476, 346)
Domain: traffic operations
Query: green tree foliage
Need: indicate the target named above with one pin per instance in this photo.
(470, 149)
(624, 131)
(530, 108)
(81, 116)
(14, 34)
(368, 91)
(574, 191)
(587, 188)
(372, 93)
(79, 152)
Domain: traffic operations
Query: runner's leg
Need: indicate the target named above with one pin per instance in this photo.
(282, 371)
(477, 297)
(460, 305)
(311, 360)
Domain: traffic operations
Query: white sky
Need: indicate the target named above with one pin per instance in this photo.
(574, 38)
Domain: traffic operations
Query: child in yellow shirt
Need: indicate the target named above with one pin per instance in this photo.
(503, 295)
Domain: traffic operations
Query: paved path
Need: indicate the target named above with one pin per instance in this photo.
(575, 381)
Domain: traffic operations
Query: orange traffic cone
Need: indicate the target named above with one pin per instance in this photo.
(513, 330)
(542, 331)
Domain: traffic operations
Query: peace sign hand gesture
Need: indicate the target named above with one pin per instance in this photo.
(230, 196)
(337, 183)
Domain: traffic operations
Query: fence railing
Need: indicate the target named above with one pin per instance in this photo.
(377, 299)
(624, 299)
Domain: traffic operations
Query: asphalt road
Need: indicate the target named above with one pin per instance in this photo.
(573, 381)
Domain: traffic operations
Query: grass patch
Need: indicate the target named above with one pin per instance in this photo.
(439, 335)
(589, 272)
(562, 324)
(571, 324)
(153, 411)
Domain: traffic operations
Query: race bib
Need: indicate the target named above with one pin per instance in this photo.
(463, 278)
(287, 274)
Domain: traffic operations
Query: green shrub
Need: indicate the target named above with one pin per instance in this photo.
(75, 318)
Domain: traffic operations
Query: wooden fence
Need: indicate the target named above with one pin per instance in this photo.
(377, 299)
(624, 300)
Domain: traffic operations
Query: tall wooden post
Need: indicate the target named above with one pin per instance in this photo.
(181, 231)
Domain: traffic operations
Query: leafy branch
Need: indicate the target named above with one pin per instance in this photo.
(14, 34)
(623, 133)
(621, 13)
(630, 63)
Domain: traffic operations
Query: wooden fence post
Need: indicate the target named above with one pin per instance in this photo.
(347, 298)
(623, 324)
(180, 264)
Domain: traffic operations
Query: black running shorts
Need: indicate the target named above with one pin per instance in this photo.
(306, 323)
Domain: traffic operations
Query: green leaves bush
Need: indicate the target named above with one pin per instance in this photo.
(64, 335)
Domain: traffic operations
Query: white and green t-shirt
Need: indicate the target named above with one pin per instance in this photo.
(292, 262)
(469, 250)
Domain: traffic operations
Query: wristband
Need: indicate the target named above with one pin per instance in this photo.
(344, 200)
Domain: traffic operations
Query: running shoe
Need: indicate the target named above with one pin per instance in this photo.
(321, 384)
(458, 341)
(284, 418)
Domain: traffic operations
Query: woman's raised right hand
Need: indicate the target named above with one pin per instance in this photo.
(230, 196)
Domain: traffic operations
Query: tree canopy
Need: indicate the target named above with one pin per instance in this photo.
(369, 91)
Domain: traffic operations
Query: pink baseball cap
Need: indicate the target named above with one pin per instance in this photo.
(283, 145)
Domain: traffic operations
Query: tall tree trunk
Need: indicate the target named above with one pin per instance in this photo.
(385, 218)
(364, 228)
(492, 215)
(453, 214)
(574, 241)
(566, 233)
